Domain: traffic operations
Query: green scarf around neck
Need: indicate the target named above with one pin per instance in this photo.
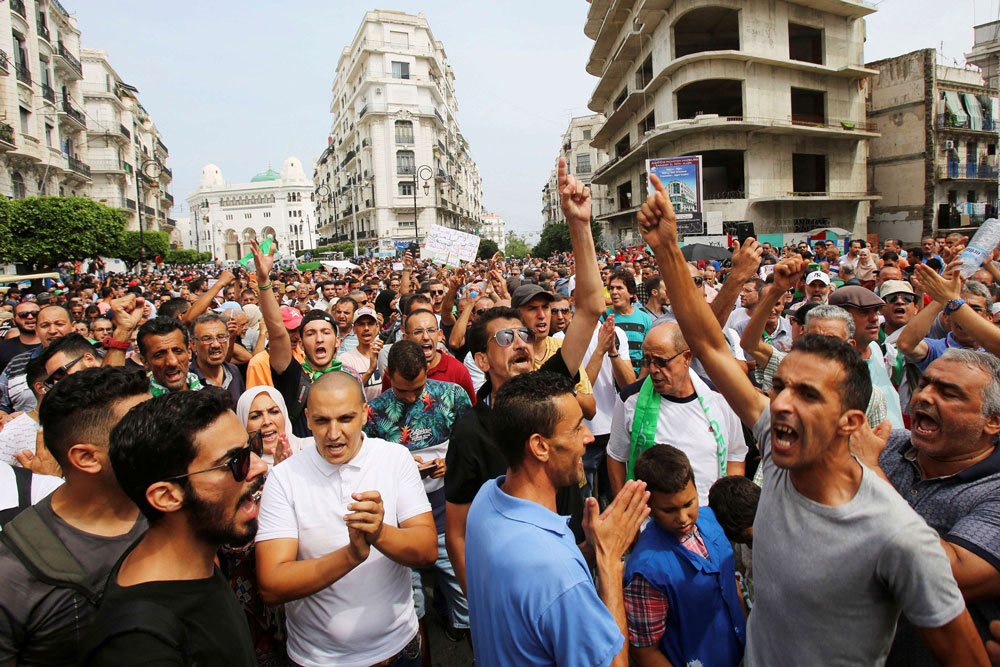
(314, 374)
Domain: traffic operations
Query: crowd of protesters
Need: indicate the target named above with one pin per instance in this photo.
(786, 457)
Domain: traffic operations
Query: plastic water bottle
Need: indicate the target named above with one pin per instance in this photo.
(980, 247)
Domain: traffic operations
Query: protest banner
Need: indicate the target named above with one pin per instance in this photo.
(450, 246)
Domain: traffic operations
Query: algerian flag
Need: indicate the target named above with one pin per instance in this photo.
(247, 259)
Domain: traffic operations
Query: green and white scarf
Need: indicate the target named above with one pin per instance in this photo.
(192, 384)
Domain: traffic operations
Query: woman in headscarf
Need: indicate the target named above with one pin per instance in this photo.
(263, 409)
(254, 318)
(385, 305)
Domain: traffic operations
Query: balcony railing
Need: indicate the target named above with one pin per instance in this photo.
(48, 93)
(162, 147)
(130, 204)
(166, 171)
(950, 121)
(78, 166)
(148, 210)
(169, 197)
(405, 169)
(74, 63)
(7, 134)
(107, 165)
(23, 73)
(18, 6)
(43, 31)
(968, 170)
(4, 59)
(73, 113)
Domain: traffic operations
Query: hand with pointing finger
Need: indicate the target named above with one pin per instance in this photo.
(657, 220)
(574, 197)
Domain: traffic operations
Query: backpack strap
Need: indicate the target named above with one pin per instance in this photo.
(44, 555)
(298, 406)
(134, 616)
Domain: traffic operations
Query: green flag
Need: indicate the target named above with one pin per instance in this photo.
(247, 259)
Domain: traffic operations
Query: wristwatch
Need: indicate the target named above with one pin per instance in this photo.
(953, 305)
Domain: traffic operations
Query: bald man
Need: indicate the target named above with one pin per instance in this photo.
(340, 525)
(679, 409)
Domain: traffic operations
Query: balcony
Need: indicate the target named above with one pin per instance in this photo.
(7, 137)
(948, 121)
(167, 197)
(73, 114)
(4, 59)
(23, 73)
(959, 170)
(18, 7)
(67, 61)
(108, 166)
(148, 210)
(161, 147)
(48, 93)
(43, 31)
(78, 166)
(405, 169)
(166, 171)
(130, 204)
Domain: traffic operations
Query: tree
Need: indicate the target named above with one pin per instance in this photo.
(155, 243)
(516, 247)
(487, 248)
(555, 239)
(49, 230)
(182, 256)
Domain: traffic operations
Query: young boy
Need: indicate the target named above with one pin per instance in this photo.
(734, 500)
(681, 599)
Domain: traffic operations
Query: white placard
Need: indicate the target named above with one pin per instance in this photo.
(450, 246)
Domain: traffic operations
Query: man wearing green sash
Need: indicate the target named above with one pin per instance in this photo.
(673, 406)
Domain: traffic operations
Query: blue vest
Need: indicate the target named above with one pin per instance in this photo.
(705, 622)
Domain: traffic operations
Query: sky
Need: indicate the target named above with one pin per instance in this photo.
(246, 84)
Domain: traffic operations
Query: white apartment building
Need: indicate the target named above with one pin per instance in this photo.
(227, 216)
(771, 94)
(396, 162)
(985, 53)
(124, 150)
(494, 229)
(582, 159)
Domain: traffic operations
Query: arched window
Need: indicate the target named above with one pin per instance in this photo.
(17, 182)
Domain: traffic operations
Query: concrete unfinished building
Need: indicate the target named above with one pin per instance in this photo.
(935, 163)
(771, 94)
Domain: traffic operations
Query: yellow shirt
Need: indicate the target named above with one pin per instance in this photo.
(551, 346)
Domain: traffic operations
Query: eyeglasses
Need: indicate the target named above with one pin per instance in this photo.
(238, 463)
(430, 331)
(649, 362)
(560, 311)
(505, 337)
(437, 291)
(27, 313)
(222, 338)
(901, 298)
(60, 373)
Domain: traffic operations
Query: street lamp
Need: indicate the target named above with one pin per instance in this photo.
(325, 195)
(152, 170)
(418, 173)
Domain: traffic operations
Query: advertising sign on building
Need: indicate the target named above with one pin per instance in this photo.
(681, 177)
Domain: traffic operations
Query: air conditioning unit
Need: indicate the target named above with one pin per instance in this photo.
(949, 145)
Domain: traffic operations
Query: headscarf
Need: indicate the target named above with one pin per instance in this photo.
(383, 304)
(243, 412)
(253, 314)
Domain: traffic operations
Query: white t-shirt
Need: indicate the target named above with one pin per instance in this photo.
(367, 616)
(685, 426)
(41, 486)
(475, 372)
(605, 394)
(360, 364)
(17, 435)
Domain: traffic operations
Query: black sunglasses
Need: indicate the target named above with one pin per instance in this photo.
(505, 337)
(562, 311)
(901, 298)
(60, 373)
(238, 463)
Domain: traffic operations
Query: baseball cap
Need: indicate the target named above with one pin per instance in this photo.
(43, 297)
(855, 296)
(316, 314)
(291, 317)
(526, 293)
(895, 287)
(364, 312)
(818, 275)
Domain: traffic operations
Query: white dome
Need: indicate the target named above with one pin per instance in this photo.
(211, 177)
(292, 170)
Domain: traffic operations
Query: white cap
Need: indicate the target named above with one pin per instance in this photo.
(818, 275)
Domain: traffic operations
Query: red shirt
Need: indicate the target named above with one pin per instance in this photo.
(448, 369)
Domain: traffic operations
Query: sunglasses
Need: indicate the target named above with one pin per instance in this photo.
(238, 463)
(27, 314)
(649, 362)
(901, 298)
(505, 337)
(437, 291)
(560, 311)
(60, 373)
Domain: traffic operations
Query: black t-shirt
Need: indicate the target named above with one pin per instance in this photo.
(12, 347)
(473, 458)
(287, 384)
(216, 630)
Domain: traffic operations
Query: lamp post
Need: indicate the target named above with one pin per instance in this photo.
(418, 175)
(152, 170)
(325, 197)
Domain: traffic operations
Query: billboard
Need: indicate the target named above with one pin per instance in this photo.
(681, 177)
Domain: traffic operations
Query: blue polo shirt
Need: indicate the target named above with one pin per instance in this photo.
(531, 598)
(963, 508)
(937, 347)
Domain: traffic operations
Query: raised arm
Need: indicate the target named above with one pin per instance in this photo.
(746, 261)
(574, 197)
(126, 313)
(701, 330)
(457, 337)
(786, 274)
(454, 282)
(205, 300)
(943, 290)
(404, 277)
(280, 344)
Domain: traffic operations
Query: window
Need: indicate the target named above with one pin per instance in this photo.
(406, 223)
(404, 132)
(48, 135)
(404, 162)
(17, 181)
(586, 134)
(267, 214)
(622, 146)
(400, 70)
(620, 100)
(647, 124)
(25, 120)
(583, 163)
(406, 188)
(808, 107)
(805, 44)
(808, 172)
(625, 196)
(397, 38)
(644, 75)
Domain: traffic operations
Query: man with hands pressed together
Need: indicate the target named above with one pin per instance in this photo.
(860, 553)
(341, 523)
